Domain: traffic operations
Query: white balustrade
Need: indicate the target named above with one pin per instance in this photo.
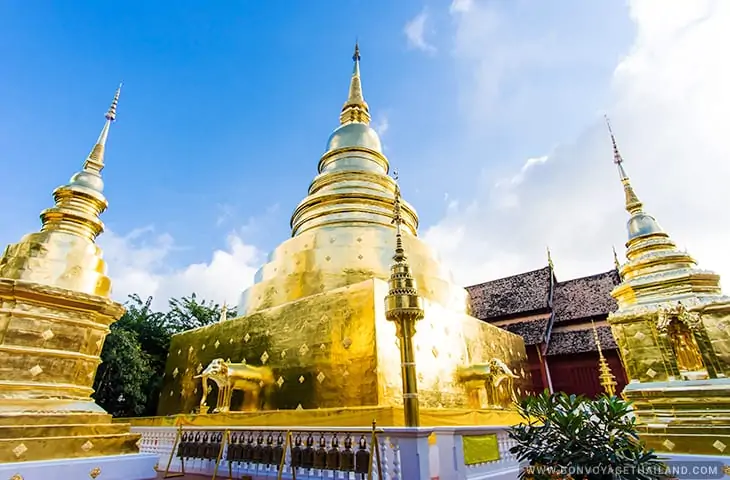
(405, 453)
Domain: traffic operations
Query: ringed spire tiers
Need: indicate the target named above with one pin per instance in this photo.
(63, 253)
(342, 231)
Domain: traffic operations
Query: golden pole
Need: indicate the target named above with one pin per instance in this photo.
(220, 453)
(178, 438)
(287, 444)
(411, 413)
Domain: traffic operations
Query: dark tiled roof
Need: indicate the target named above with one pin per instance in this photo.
(518, 294)
(531, 331)
(578, 341)
(585, 297)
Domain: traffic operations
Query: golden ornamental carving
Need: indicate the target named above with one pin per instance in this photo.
(95, 472)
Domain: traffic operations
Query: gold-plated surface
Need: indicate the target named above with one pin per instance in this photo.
(55, 313)
(672, 328)
(338, 350)
(404, 308)
(334, 417)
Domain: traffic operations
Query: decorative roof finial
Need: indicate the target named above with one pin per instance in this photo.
(606, 377)
(550, 259)
(224, 313)
(400, 254)
(633, 204)
(356, 109)
(616, 262)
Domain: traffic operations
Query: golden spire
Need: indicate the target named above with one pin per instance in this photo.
(355, 109)
(404, 307)
(633, 204)
(606, 377)
(80, 202)
(550, 259)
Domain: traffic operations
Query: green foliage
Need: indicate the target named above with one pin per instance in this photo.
(129, 379)
(562, 432)
(122, 378)
(187, 313)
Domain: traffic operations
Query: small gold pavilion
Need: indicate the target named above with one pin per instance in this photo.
(314, 328)
(672, 327)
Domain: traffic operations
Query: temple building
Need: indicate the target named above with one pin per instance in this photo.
(555, 319)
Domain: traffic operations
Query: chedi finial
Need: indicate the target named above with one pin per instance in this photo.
(355, 109)
(633, 204)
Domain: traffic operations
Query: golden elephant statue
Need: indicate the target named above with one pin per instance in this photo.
(237, 376)
(496, 378)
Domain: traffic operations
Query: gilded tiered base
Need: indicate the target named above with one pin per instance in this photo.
(337, 352)
(50, 341)
(687, 417)
(63, 436)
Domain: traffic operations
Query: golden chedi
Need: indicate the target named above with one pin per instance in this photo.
(56, 312)
(672, 327)
(315, 323)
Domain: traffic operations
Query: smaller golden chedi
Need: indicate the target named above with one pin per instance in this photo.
(606, 376)
(55, 315)
(672, 327)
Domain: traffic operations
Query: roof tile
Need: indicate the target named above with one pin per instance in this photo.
(519, 294)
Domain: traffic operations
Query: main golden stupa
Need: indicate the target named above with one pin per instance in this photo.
(672, 327)
(313, 333)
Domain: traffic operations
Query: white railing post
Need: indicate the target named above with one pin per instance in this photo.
(446, 446)
(414, 452)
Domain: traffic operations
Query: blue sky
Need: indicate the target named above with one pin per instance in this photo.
(226, 107)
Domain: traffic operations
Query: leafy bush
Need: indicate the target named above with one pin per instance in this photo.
(572, 437)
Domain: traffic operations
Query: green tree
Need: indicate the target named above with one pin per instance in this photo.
(567, 436)
(122, 378)
(129, 380)
(187, 313)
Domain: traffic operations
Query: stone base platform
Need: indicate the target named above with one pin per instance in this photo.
(139, 466)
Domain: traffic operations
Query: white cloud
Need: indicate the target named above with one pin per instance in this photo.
(461, 6)
(416, 31)
(668, 104)
(138, 263)
(381, 125)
